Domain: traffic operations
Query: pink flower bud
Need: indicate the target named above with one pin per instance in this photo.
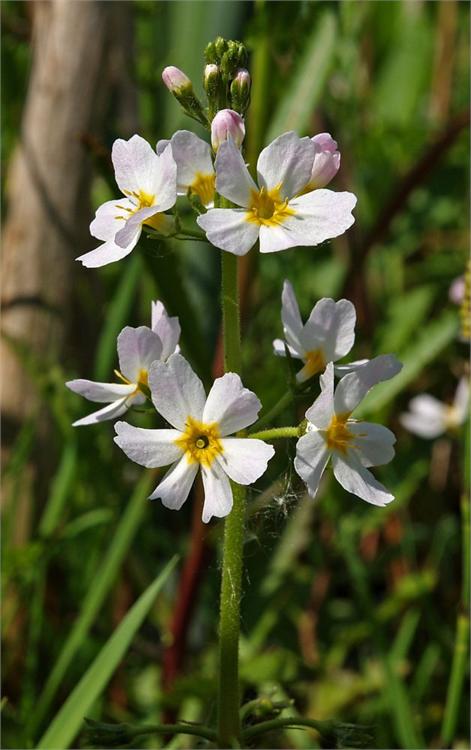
(242, 78)
(457, 290)
(227, 123)
(326, 161)
(175, 79)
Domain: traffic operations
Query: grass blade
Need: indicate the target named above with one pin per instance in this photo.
(68, 720)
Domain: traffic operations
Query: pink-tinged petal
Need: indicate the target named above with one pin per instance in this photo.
(287, 161)
(149, 448)
(109, 252)
(110, 411)
(245, 460)
(167, 329)
(279, 349)
(311, 459)
(175, 487)
(355, 478)
(192, 156)
(353, 387)
(217, 492)
(177, 392)
(228, 229)
(291, 318)
(227, 125)
(137, 349)
(233, 180)
(231, 405)
(322, 410)
(161, 145)
(101, 393)
(331, 328)
(110, 218)
(373, 443)
(318, 216)
(135, 164)
(164, 181)
(326, 161)
(131, 231)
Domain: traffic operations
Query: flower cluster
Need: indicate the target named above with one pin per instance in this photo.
(287, 205)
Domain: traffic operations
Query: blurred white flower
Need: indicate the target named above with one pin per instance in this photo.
(274, 212)
(429, 417)
(353, 446)
(137, 349)
(195, 171)
(328, 334)
(148, 182)
(199, 438)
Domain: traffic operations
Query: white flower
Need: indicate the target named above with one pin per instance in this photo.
(429, 417)
(326, 161)
(199, 439)
(137, 349)
(353, 446)
(148, 182)
(195, 171)
(227, 124)
(328, 334)
(274, 212)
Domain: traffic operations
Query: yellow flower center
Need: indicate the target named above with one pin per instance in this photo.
(200, 442)
(142, 379)
(314, 362)
(144, 200)
(337, 435)
(203, 187)
(268, 208)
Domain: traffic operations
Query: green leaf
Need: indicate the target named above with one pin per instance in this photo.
(68, 720)
(305, 89)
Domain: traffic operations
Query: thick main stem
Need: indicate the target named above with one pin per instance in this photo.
(231, 584)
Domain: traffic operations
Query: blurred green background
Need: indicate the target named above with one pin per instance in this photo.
(354, 612)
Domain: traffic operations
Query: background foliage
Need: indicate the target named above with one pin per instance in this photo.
(349, 610)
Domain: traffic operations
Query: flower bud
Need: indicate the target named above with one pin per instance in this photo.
(326, 161)
(227, 123)
(176, 81)
(211, 72)
(240, 91)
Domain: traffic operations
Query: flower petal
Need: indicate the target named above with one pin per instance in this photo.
(291, 318)
(356, 479)
(318, 216)
(110, 218)
(326, 161)
(137, 349)
(131, 231)
(109, 252)
(287, 162)
(192, 156)
(177, 392)
(167, 329)
(149, 448)
(330, 327)
(101, 393)
(217, 492)
(322, 410)
(228, 229)
(244, 460)
(311, 459)
(139, 169)
(231, 405)
(175, 487)
(427, 417)
(354, 387)
(461, 400)
(110, 411)
(373, 443)
(341, 370)
(233, 180)
(280, 346)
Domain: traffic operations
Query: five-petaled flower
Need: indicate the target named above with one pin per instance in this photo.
(328, 334)
(137, 349)
(148, 182)
(195, 171)
(199, 438)
(278, 211)
(428, 417)
(353, 446)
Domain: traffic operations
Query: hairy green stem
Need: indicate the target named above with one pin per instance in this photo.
(275, 433)
(234, 529)
(282, 723)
